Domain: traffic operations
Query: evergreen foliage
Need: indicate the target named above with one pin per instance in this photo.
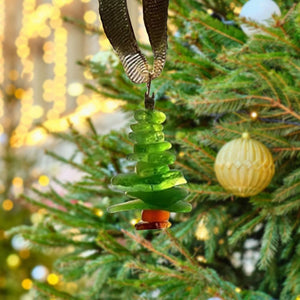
(215, 76)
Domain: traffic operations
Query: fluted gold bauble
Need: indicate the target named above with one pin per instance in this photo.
(244, 166)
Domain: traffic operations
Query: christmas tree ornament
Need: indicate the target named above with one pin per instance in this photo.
(259, 11)
(153, 183)
(244, 166)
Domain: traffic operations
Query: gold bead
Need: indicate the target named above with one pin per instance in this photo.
(244, 166)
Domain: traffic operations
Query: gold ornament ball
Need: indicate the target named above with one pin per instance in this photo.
(244, 166)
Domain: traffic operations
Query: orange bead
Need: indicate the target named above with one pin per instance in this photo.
(150, 215)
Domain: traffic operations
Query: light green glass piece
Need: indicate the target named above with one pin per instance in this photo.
(153, 182)
(161, 198)
(133, 183)
(151, 137)
(152, 148)
(146, 127)
(179, 206)
(145, 169)
(156, 158)
(153, 117)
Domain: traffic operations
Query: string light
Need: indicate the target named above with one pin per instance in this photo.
(7, 205)
(90, 17)
(134, 221)
(98, 212)
(26, 284)
(13, 261)
(254, 115)
(44, 180)
(201, 233)
(17, 182)
(52, 279)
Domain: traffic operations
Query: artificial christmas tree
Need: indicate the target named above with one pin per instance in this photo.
(226, 247)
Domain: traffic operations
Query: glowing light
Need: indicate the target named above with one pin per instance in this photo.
(98, 212)
(17, 182)
(90, 17)
(201, 258)
(26, 284)
(238, 290)
(52, 279)
(36, 111)
(13, 260)
(75, 89)
(44, 180)
(36, 136)
(7, 205)
(298, 297)
(201, 231)
(254, 115)
(39, 272)
(134, 221)
(36, 218)
(209, 11)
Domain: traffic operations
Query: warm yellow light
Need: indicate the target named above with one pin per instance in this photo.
(36, 112)
(134, 221)
(98, 212)
(17, 182)
(253, 115)
(110, 106)
(13, 260)
(13, 75)
(202, 233)
(7, 205)
(52, 279)
(237, 10)
(75, 89)
(238, 290)
(19, 93)
(87, 74)
(26, 284)
(44, 32)
(201, 258)
(90, 16)
(298, 297)
(44, 180)
(209, 11)
(85, 1)
(36, 218)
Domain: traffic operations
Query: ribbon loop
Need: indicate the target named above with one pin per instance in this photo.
(118, 29)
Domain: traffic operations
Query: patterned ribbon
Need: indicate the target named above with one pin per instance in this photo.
(118, 29)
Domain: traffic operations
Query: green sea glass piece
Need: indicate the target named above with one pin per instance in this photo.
(179, 206)
(153, 183)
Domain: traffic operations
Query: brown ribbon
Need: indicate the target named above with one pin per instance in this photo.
(118, 29)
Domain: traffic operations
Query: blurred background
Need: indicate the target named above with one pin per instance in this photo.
(42, 84)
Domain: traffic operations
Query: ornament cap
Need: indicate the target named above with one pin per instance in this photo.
(246, 135)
